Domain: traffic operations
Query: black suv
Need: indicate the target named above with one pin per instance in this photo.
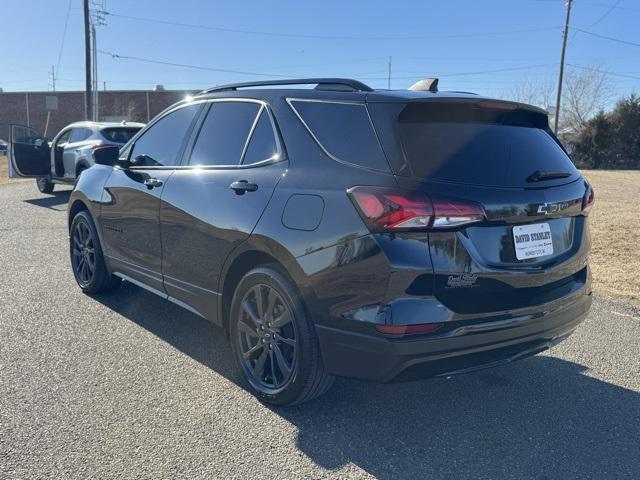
(385, 235)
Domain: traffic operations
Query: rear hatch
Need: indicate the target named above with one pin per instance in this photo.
(528, 245)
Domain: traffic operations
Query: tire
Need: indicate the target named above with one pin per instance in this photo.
(87, 260)
(44, 184)
(281, 321)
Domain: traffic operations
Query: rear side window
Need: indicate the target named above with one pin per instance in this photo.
(79, 134)
(162, 142)
(262, 144)
(119, 134)
(224, 133)
(479, 145)
(343, 130)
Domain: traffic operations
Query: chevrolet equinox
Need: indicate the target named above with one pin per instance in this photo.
(385, 235)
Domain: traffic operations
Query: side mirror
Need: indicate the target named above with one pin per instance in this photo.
(106, 155)
(38, 142)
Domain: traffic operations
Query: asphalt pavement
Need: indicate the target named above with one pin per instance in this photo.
(126, 385)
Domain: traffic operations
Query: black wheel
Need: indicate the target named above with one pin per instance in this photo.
(44, 184)
(87, 260)
(273, 341)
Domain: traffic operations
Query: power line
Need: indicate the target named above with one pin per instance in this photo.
(460, 74)
(594, 4)
(64, 35)
(613, 39)
(262, 74)
(604, 71)
(591, 4)
(195, 67)
(606, 14)
(340, 62)
(327, 37)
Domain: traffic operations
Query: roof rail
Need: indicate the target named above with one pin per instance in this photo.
(345, 84)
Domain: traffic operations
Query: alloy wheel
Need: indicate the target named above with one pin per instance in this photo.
(267, 337)
(83, 253)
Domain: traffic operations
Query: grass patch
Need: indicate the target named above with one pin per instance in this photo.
(615, 234)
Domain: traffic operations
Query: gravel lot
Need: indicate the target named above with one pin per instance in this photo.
(127, 385)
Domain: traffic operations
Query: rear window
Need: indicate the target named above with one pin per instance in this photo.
(344, 131)
(119, 134)
(479, 145)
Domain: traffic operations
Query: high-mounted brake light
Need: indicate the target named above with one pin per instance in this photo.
(387, 210)
(588, 200)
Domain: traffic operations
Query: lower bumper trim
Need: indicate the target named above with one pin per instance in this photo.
(383, 359)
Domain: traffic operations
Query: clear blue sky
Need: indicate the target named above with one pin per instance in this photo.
(33, 33)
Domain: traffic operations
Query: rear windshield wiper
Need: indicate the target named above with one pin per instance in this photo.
(539, 176)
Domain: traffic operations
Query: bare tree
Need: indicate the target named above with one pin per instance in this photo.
(587, 91)
(538, 92)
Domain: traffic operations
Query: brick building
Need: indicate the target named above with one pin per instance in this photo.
(32, 108)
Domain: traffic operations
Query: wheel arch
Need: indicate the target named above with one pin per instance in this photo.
(245, 260)
(75, 207)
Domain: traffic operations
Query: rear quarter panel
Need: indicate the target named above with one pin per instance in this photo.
(338, 264)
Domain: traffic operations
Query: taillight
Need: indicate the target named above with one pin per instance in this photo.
(408, 329)
(588, 200)
(385, 210)
(451, 212)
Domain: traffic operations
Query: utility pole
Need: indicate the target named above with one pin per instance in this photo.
(88, 107)
(565, 34)
(94, 66)
(53, 79)
(97, 15)
(389, 74)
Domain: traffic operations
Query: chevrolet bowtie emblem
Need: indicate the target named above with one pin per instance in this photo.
(548, 208)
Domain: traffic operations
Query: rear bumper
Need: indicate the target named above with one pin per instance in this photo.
(477, 345)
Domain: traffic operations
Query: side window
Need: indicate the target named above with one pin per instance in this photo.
(79, 134)
(262, 144)
(344, 131)
(161, 143)
(63, 139)
(224, 133)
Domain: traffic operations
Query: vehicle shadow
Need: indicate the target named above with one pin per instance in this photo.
(540, 418)
(51, 201)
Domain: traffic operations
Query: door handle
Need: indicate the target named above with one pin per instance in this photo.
(152, 182)
(242, 186)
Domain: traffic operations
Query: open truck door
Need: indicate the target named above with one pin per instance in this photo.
(29, 153)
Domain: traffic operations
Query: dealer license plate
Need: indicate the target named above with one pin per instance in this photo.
(532, 241)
